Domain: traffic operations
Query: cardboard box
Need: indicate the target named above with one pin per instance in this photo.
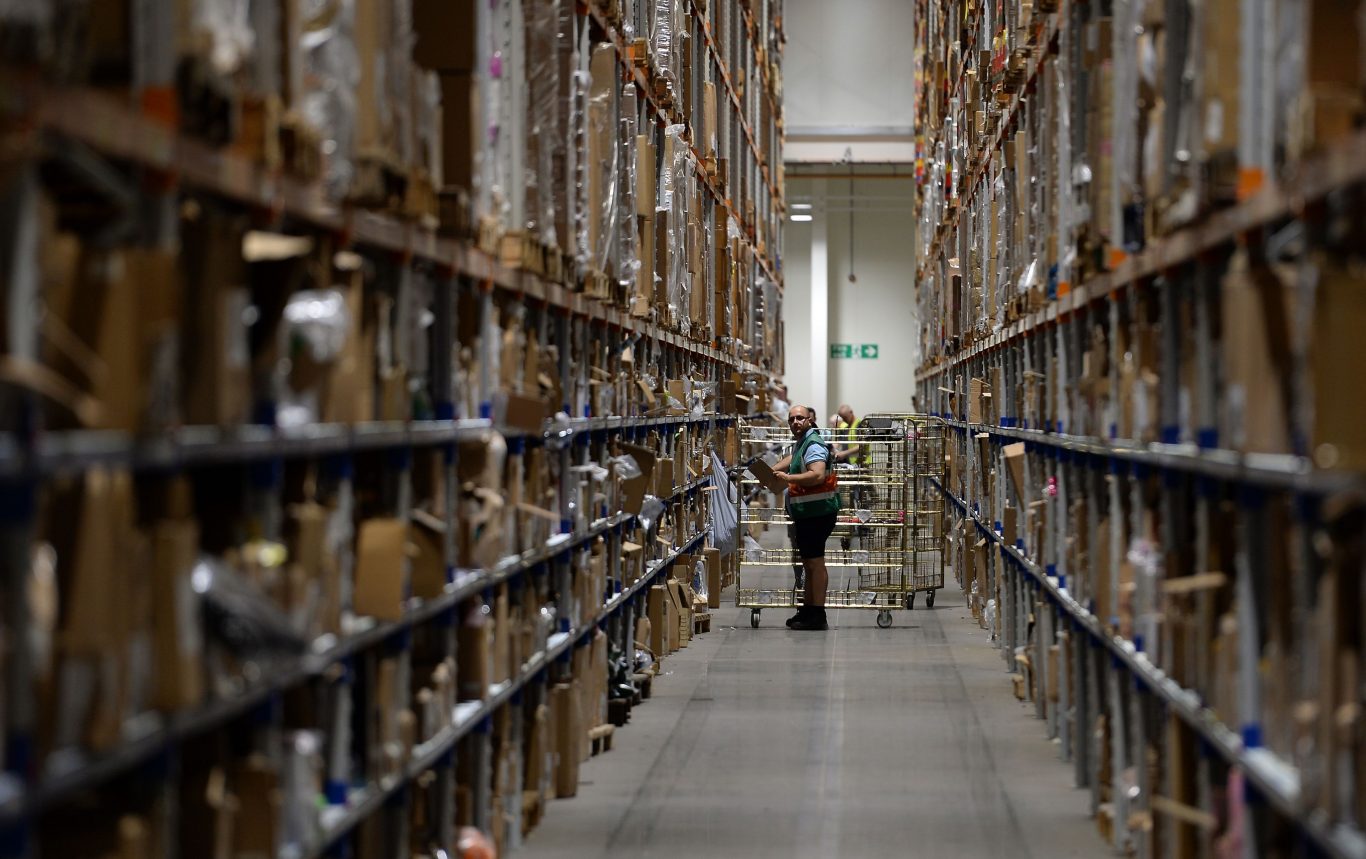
(446, 33)
(715, 580)
(564, 705)
(657, 612)
(524, 413)
(635, 489)
(381, 569)
(460, 109)
(426, 539)
(474, 651)
(1339, 434)
(215, 350)
(177, 637)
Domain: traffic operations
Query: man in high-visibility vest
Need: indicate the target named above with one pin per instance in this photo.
(852, 452)
(813, 503)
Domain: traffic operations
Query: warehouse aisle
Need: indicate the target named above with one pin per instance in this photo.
(858, 742)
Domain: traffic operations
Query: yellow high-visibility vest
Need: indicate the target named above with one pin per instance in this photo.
(863, 457)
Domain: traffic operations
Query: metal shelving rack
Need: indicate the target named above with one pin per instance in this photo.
(114, 130)
(1171, 698)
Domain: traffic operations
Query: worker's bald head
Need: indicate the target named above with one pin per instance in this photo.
(846, 413)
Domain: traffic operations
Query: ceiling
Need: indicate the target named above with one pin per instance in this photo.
(846, 80)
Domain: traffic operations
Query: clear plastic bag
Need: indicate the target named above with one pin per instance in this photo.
(699, 579)
(651, 511)
(331, 78)
(626, 467)
(240, 619)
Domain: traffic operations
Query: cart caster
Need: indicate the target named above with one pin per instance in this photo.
(754, 618)
(884, 619)
(929, 600)
(910, 602)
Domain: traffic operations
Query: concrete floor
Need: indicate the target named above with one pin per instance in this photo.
(856, 742)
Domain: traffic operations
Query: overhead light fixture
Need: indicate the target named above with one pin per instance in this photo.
(801, 207)
(800, 218)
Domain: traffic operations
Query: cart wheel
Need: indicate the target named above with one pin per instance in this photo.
(754, 618)
(910, 601)
(884, 619)
(929, 600)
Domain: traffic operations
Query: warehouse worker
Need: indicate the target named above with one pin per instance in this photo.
(851, 452)
(813, 502)
(779, 402)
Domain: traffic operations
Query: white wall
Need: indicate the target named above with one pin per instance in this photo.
(879, 308)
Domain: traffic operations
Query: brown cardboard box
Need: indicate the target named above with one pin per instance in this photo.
(446, 32)
(215, 349)
(1255, 331)
(635, 490)
(474, 651)
(664, 477)
(178, 680)
(671, 619)
(1015, 465)
(632, 563)
(380, 569)
(525, 413)
(1339, 433)
(502, 648)
(459, 128)
(426, 539)
(714, 577)
(258, 821)
(564, 704)
(657, 613)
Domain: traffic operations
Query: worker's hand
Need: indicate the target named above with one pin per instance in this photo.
(784, 476)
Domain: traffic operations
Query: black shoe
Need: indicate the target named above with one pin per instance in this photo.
(799, 616)
(813, 620)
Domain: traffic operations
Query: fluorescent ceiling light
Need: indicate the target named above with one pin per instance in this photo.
(800, 218)
(801, 206)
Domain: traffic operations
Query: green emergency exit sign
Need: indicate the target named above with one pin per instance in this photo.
(854, 350)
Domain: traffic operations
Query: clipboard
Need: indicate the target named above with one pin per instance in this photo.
(765, 475)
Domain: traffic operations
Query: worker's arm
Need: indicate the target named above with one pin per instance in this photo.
(847, 453)
(783, 464)
(813, 476)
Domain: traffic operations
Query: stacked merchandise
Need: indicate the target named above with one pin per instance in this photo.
(364, 368)
(1140, 279)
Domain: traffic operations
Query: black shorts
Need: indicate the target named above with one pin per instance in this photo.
(809, 535)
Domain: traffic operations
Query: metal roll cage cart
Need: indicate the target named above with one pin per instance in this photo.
(889, 527)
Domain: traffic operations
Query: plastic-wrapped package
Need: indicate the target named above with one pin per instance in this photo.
(651, 512)
(331, 77)
(1146, 560)
(699, 579)
(220, 31)
(628, 240)
(662, 38)
(672, 200)
(241, 621)
(580, 85)
(300, 785)
(625, 467)
(317, 324)
(543, 119)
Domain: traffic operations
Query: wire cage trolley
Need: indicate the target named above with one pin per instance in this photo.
(886, 546)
